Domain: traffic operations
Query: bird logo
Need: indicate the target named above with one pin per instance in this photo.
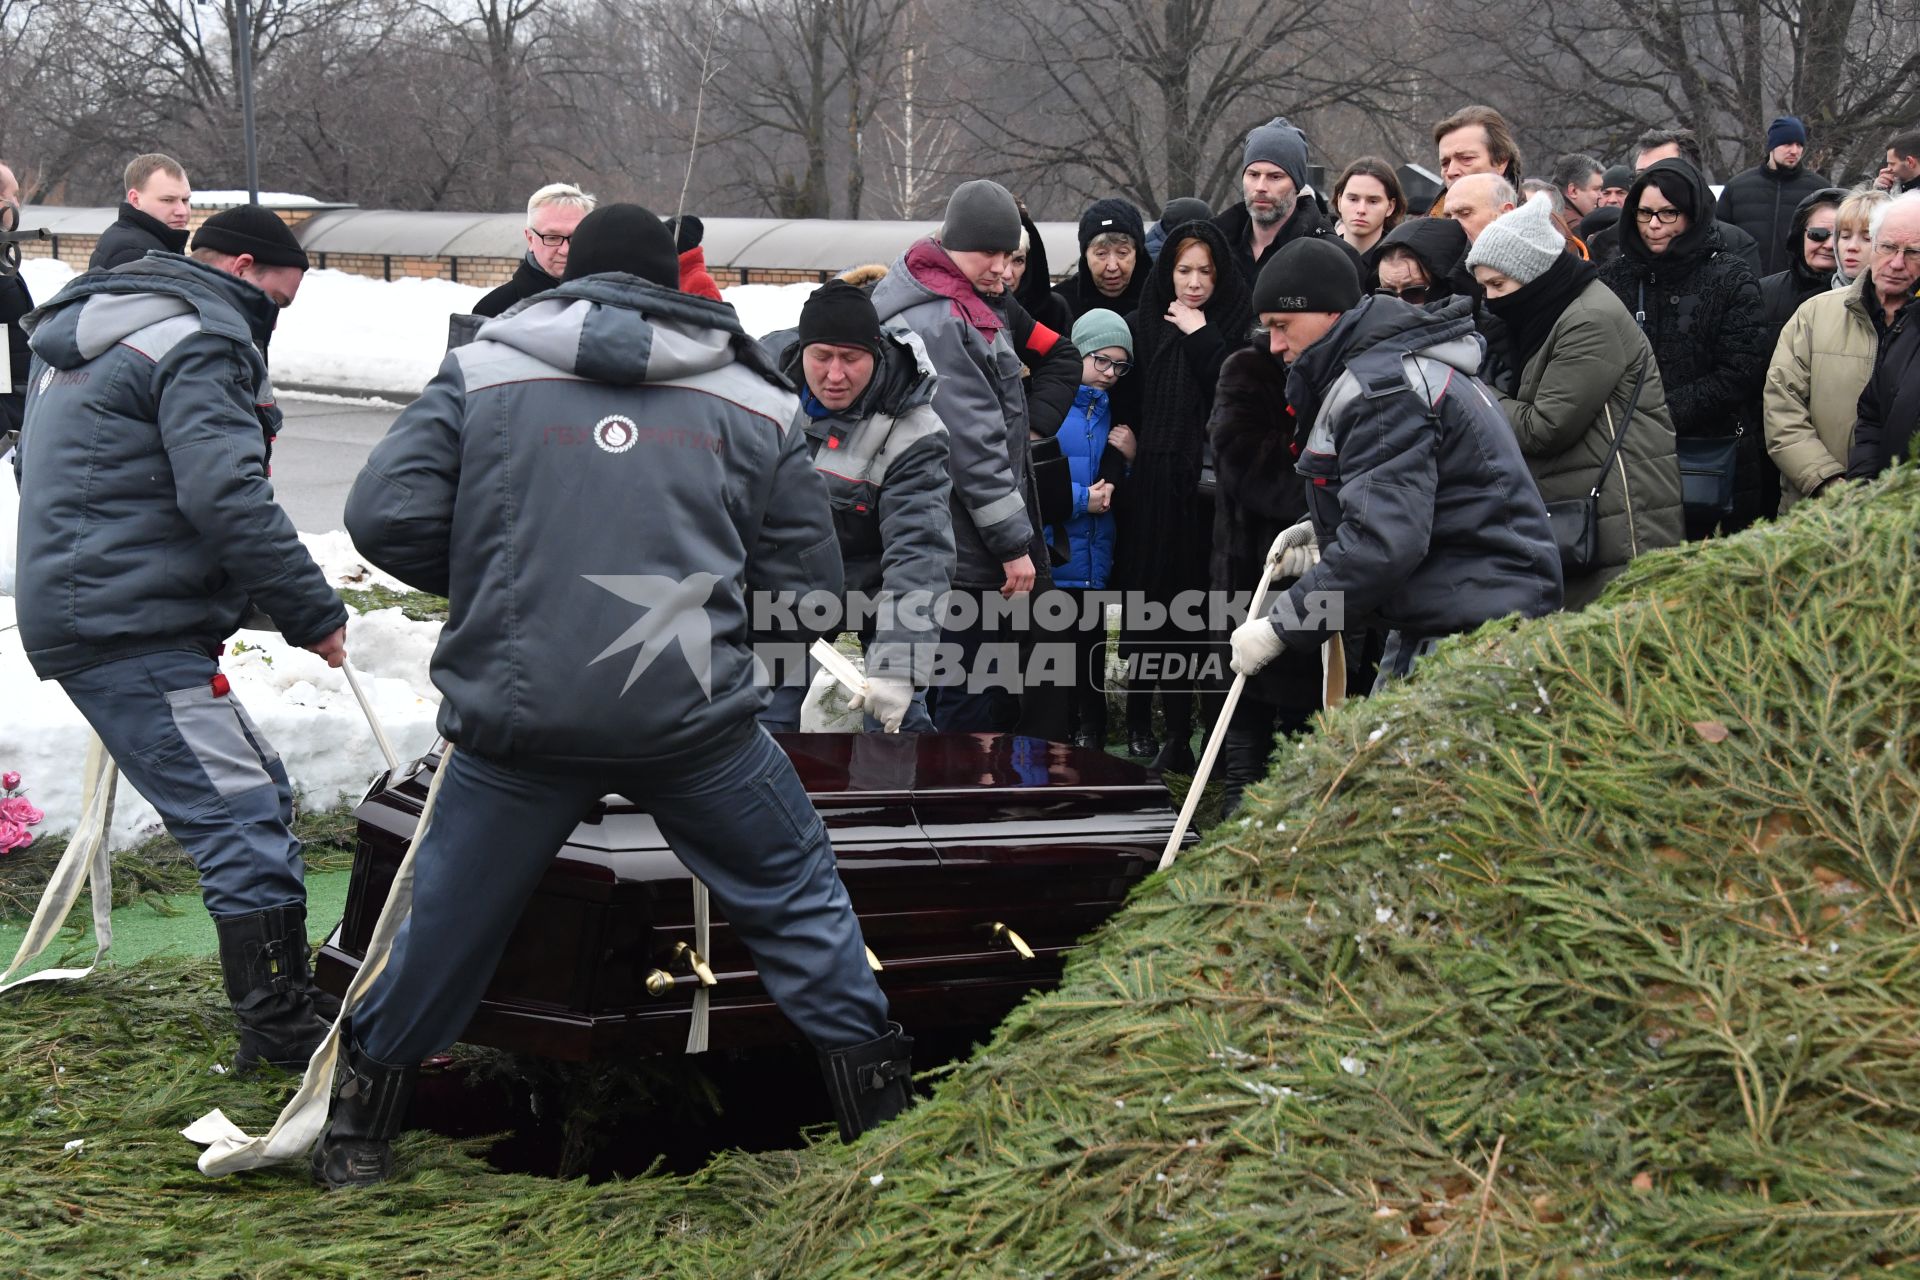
(676, 611)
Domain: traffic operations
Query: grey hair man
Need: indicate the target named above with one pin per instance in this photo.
(552, 213)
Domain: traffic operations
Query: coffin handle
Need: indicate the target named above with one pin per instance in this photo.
(659, 982)
(873, 961)
(700, 968)
(999, 932)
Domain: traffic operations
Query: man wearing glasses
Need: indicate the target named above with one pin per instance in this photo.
(552, 214)
(1890, 406)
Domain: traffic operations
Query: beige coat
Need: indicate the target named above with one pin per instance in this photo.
(1820, 365)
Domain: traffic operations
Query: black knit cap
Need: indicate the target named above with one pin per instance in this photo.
(688, 231)
(1110, 215)
(249, 228)
(624, 238)
(841, 315)
(1307, 275)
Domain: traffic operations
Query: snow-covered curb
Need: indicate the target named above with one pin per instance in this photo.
(303, 707)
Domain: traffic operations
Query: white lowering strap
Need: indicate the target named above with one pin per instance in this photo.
(86, 860)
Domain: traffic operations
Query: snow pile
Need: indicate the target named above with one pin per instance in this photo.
(390, 335)
(303, 707)
(270, 199)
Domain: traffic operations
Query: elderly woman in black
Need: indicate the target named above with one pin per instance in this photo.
(1194, 311)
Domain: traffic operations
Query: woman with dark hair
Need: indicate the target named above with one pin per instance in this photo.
(1699, 306)
(1369, 203)
(1194, 311)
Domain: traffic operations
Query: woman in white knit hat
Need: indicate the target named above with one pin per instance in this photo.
(1580, 354)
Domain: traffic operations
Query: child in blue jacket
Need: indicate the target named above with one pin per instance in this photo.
(1098, 453)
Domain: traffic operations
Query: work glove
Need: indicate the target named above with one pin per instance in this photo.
(886, 699)
(1255, 644)
(1295, 551)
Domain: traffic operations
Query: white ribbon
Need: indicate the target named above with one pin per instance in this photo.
(228, 1148)
(86, 858)
(702, 911)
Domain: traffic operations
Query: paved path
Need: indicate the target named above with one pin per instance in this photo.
(320, 450)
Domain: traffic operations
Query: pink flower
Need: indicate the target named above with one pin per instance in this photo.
(20, 810)
(13, 836)
(9, 781)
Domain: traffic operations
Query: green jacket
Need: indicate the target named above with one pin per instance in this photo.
(1812, 394)
(1572, 394)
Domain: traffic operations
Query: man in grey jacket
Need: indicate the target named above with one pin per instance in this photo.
(597, 483)
(1418, 497)
(950, 290)
(147, 530)
(866, 407)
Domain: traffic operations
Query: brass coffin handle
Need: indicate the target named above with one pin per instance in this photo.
(659, 982)
(681, 951)
(873, 961)
(1001, 933)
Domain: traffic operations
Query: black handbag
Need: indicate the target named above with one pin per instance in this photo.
(1576, 521)
(1708, 465)
(1052, 480)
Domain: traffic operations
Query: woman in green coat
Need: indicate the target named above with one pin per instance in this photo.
(1579, 354)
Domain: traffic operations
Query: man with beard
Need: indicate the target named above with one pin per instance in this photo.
(1762, 200)
(1273, 169)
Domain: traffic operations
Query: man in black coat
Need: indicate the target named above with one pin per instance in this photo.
(15, 302)
(1273, 169)
(1762, 200)
(552, 213)
(153, 216)
(1890, 405)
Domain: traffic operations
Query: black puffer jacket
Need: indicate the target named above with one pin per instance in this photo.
(1699, 306)
(131, 236)
(1308, 222)
(1782, 292)
(1762, 202)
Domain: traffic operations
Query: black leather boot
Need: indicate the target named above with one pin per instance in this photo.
(1243, 760)
(870, 1083)
(369, 1110)
(263, 962)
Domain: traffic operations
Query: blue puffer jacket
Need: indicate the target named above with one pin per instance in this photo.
(1083, 438)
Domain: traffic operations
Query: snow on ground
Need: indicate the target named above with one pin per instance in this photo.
(271, 199)
(303, 707)
(358, 333)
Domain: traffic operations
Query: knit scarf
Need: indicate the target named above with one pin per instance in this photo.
(1529, 312)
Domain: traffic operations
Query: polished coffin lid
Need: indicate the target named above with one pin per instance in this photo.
(962, 853)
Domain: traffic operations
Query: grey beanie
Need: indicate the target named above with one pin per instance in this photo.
(1278, 142)
(1099, 328)
(1521, 243)
(982, 217)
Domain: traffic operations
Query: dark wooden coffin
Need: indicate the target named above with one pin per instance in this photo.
(975, 862)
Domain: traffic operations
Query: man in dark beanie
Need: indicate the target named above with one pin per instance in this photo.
(658, 488)
(1761, 201)
(1420, 505)
(1273, 172)
(1176, 211)
(950, 291)
(689, 235)
(866, 407)
(148, 531)
(1113, 261)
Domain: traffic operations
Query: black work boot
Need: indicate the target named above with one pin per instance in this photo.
(263, 960)
(870, 1083)
(1243, 760)
(369, 1110)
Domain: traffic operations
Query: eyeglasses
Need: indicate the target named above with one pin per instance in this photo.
(1107, 364)
(1665, 217)
(1908, 253)
(1414, 293)
(552, 242)
(1819, 235)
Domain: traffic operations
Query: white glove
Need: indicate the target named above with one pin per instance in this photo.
(1295, 551)
(886, 699)
(1255, 644)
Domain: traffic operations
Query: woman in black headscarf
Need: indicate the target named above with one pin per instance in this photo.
(1194, 311)
(1699, 306)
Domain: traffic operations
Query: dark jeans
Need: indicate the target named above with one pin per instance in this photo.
(197, 756)
(745, 826)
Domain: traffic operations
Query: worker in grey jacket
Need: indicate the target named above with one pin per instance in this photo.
(866, 407)
(949, 290)
(1419, 499)
(597, 483)
(147, 530)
